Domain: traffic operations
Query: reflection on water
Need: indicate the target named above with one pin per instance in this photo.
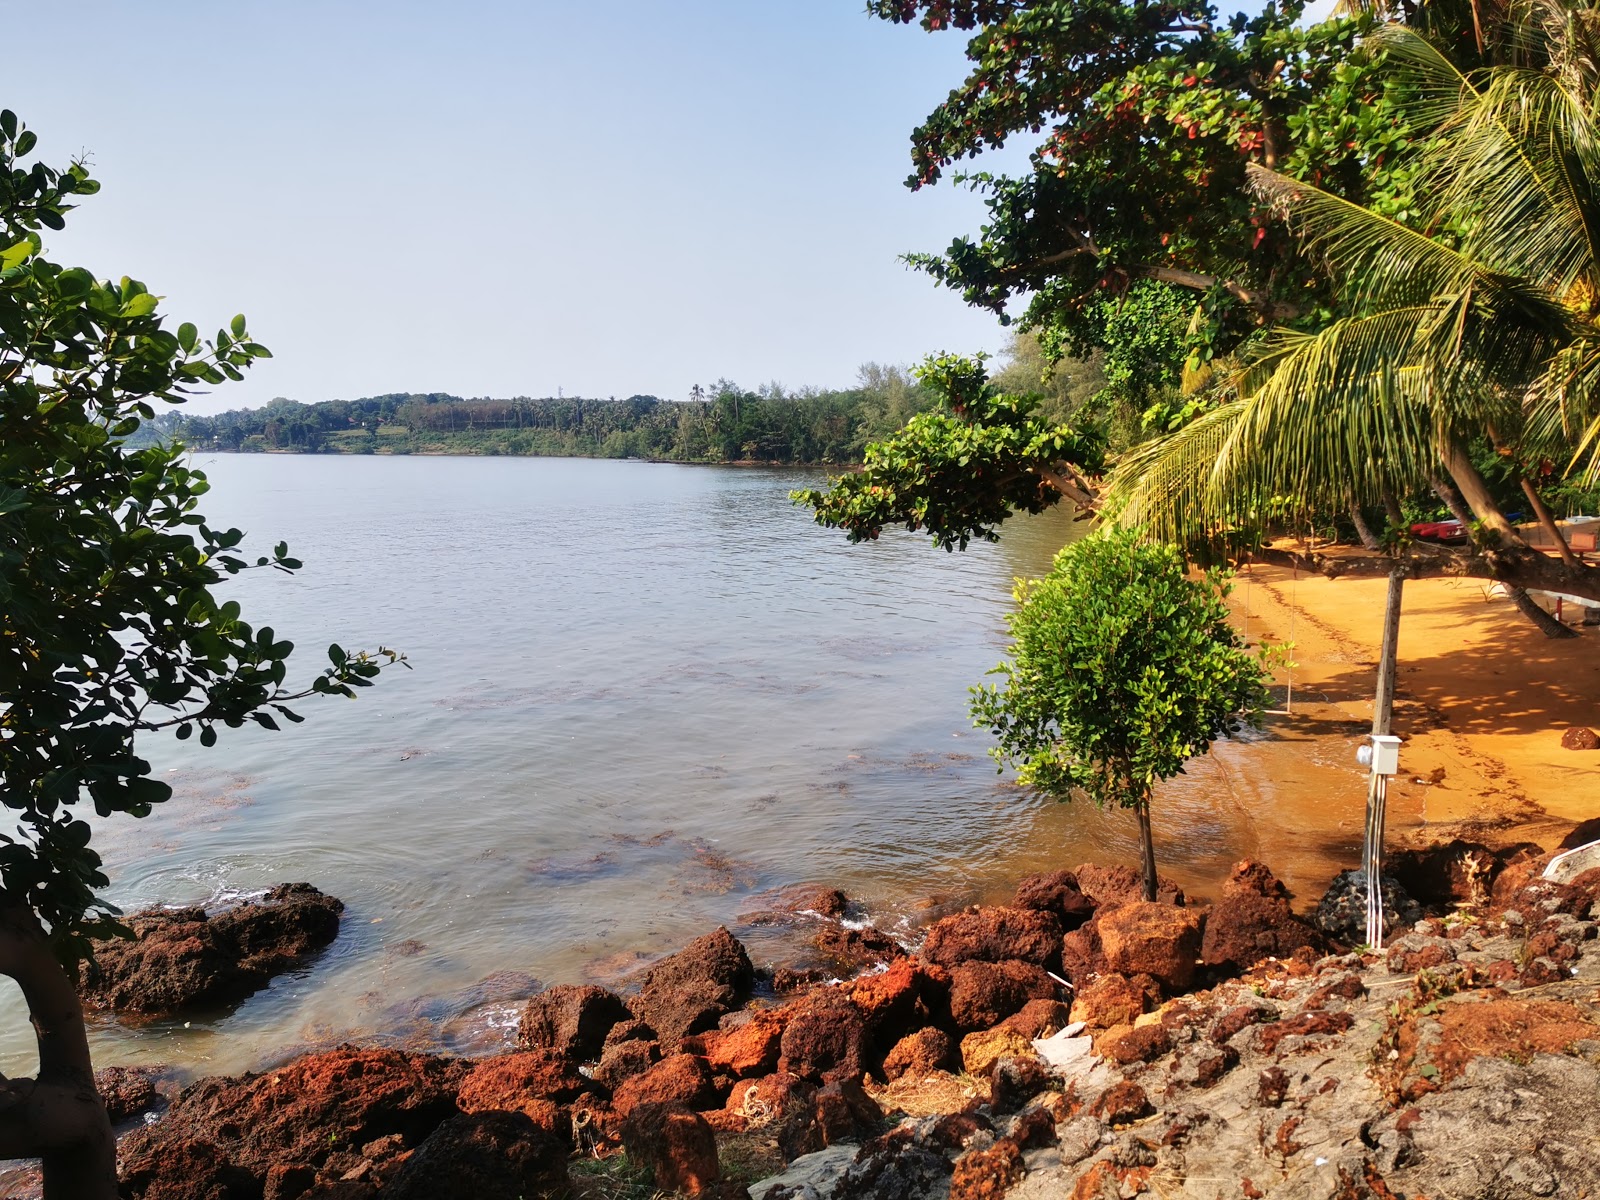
(642, 695)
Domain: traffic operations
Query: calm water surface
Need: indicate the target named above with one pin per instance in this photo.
(642, 696)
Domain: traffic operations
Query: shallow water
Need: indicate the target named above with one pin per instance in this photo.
(642, 696)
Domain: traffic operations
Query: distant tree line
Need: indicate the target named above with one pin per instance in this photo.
(724, 423)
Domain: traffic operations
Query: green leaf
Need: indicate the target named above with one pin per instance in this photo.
(188, 337)
(238, 326)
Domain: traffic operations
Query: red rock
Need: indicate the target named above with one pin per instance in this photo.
(690, 991)
(1159, 940)
(919, 1054)
(188, 1170)
(1108, 886)
(1302, 1025)
(956, 1131)
(1129, 1044)
(1034, 1129)
(1580, 738)
(1403, 960)
(1015, 1081)
(856, 949)
(573, 1021)
(1039, 1018)
(1252, 920)
(996, 935)
(678, 1145)
(677, 1079)
(1453, 872)
(1273, 1087)
(488, 1156)
(1235, 1020)
(839, 1112)
(184, 958)
(904, 997)
(129, 1091)
(505, 1080)
(1211, 1065)
(624, 1060)
(1056, 892)
(1121, 1103)
(987, 1174)
(825, 1039)
(983, 994)
(286, 1115)
(1112, 1000)
(748, 1049)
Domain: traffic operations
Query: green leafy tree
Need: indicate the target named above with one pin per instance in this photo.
(109, 626)
(959, 471)
(1122, 669)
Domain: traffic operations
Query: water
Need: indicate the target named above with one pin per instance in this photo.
(642, 696)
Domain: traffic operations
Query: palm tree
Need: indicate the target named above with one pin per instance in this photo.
(1483, 324)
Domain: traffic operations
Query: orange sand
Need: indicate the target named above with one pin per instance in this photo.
(1482, 696)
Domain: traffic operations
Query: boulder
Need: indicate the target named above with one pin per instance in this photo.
(486, 1155)
(1579, 737)
(981, 1050)
(1055, 892)
(919, 1054)
(1450, 873)
(318, 1112)
(982, 994)
(690, 991)
(1039, 1018)
(1112, 1000)
(771, 1098)
(825, 1040)
(906, 996)
(184, 959)
(681, 1079)
(1342, 913)
(130, 1092)
(840, 1111)
(623, 1060)
(996, 935)
(1107, 886)
(510, 1081)
(676, 1144)
(749, 1048)
(1159, 940)
(573, 1021)
(856, 949)
(188, 1170)
(1252, 920)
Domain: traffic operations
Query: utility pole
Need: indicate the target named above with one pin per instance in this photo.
(1383, 755)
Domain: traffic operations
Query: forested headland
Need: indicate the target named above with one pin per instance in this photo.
(723, 423)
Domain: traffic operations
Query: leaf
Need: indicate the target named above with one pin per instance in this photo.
(16, 254)
(188, 337)
(237, 325)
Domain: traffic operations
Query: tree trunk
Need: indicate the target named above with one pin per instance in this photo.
(1548, 524)
(1388, 656)
(1452, 500)
(1546, 623)
(1369, 540)
(1392, 513)
(1476, 494)
(57, 1116)
(1149, 847)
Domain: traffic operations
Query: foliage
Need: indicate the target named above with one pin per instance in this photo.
(1122, 668)
(108, 621)
(1481, 328)
(958, 473)
(1150, 116)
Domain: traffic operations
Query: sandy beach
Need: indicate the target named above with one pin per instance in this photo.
(1483, 700)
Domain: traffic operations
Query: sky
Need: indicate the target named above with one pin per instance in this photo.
(509, 197)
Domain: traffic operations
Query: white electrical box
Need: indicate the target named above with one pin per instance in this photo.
(1381, 753)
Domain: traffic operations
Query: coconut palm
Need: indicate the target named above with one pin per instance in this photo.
(1486, 323)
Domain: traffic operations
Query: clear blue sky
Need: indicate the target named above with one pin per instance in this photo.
(498, 197)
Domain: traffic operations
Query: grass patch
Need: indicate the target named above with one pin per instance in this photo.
(613, 1178)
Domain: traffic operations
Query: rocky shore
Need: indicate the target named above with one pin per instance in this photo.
(1079, 1042)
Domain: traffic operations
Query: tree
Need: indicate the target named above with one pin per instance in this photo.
(1122, 669)
(109, 626)
(960, 471)
(1482, 329)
